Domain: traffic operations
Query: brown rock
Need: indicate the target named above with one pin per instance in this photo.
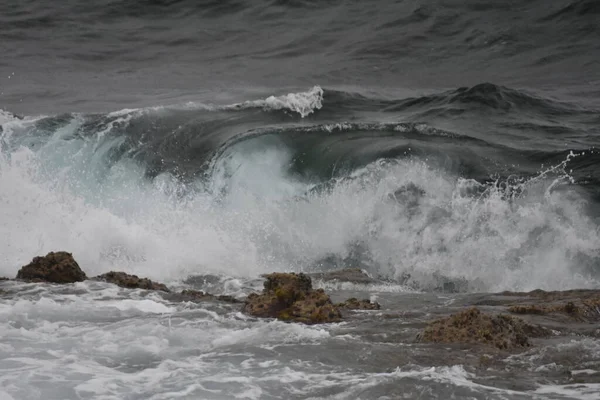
(131, 281)
(473, 326)
(355, 304)
(290, 297)
(59, 267)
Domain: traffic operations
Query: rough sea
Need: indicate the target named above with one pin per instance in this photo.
(449, 148)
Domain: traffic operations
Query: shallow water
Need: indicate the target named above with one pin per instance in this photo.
(95, 340)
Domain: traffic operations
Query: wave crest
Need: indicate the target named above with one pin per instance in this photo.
(303, 103)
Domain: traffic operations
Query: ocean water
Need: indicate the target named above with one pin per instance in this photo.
(422, 141)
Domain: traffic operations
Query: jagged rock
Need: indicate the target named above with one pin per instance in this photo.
(3, 278)
(355, 304)
(290, 297)
(199, 296)
(131, 281)
(59, 267)
(473, 326)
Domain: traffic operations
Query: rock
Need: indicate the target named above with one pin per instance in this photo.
(485, 361)
(3, 278)
(353, 275)
(290, 297)
(569, 308)
(59, 267)
(196, 295)
(355, 304)
(528, 309)
(583, 305)
(473, 326)
(199, 296)
(131, 281)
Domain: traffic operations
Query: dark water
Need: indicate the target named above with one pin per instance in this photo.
(77, 55)
(435, 144)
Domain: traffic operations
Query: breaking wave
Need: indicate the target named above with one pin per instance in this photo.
(173, 191)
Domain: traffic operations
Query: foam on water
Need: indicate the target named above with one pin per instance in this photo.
(91, 344)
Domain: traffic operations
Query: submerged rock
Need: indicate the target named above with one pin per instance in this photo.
(131, 281)
(353, 275)
(290, 297)
(473, 326)
(355, 304)
(199, 296)
(59, 267)
(583, 305)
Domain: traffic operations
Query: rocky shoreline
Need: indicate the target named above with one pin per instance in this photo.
(507, 321)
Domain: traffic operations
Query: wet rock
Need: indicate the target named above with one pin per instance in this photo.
(131, 281)
(3, 278)
(200, 296)
(355, 304)
(196, 295)
(583, 305)
(569, 308)
(556, 295)
(485, 361)
(528, 309)
(473, 326)
(353, 275)
(290, 297)
(54, 267)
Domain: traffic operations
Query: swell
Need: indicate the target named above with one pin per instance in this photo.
(479, 97)
(315, 125)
